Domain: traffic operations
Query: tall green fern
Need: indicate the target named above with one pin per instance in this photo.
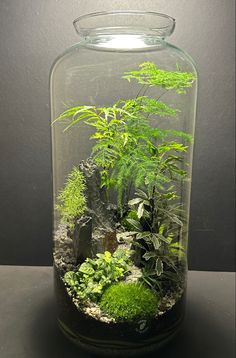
(128, 149)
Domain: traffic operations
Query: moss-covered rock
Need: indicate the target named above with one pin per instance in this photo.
(129, 301)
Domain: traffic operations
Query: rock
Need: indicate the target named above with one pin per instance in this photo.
(125, 237)
(135, 274)
(95, 231)
(82, 238)
(104, 240)
(103, 214)
(64, 258)
(93, 310)
(110, 242)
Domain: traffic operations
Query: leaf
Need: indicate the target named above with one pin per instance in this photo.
(143, 235)
(155, 240)
(71, 278)
(135, 224)
(86, 268)
(176, 220)
(76, 120)
(136, 243)
(149, 255)
(154, 106)
(172, 216)
(170, 262)
(167, 240)
(135, 201)
(141, 193)
(107, 257)
(172, 276)
(178, 246)
(159, 267)
(97, 289)
(177, 250)
(140, 210)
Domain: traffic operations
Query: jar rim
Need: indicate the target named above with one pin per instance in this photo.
(159, 24)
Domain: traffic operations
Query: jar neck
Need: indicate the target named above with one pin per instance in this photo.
(125, 23)
(123, 42)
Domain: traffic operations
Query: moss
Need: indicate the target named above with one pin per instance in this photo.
(129, 301)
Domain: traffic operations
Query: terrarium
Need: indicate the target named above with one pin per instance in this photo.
(123, 106)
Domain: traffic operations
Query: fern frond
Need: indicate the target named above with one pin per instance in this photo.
(71, 199)
(149, 74)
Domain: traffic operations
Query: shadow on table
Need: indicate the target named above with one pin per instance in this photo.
(200, 337)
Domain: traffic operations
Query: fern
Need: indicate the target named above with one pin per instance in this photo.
(128, 149)
(144, 104)
(71, 199)
(125, 148)
(149, 74)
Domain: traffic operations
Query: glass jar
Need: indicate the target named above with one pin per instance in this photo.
(123, 104)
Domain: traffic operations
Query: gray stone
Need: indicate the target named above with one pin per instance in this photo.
(96, 230)
(102, 213)
(82, 238)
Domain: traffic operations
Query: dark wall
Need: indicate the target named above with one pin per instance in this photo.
(32, 34)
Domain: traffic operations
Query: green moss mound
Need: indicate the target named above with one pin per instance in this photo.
(129, 301)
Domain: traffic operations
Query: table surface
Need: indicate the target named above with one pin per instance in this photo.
(28, 327)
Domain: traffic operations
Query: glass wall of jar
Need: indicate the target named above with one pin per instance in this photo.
(123, 106)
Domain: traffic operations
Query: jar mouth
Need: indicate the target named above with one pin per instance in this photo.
(129, 22)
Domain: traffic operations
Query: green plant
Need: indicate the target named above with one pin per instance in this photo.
(149, 74)
(157, 225)
(95, 275)
(129, 150)
(129, 301)
(71, 199)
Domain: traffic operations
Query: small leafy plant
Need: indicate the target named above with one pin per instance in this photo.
(71, 199)
(95, 275)
(129, 301)
(158, 227)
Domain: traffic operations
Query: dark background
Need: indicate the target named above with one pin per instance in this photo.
(32, 34)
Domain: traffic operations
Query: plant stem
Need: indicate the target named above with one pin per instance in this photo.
(139, 92)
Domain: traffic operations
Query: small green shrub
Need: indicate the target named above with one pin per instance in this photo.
(95, 275)
(71, 199)
(129, 301)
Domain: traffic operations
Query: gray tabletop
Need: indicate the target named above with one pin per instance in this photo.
(28, 327)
